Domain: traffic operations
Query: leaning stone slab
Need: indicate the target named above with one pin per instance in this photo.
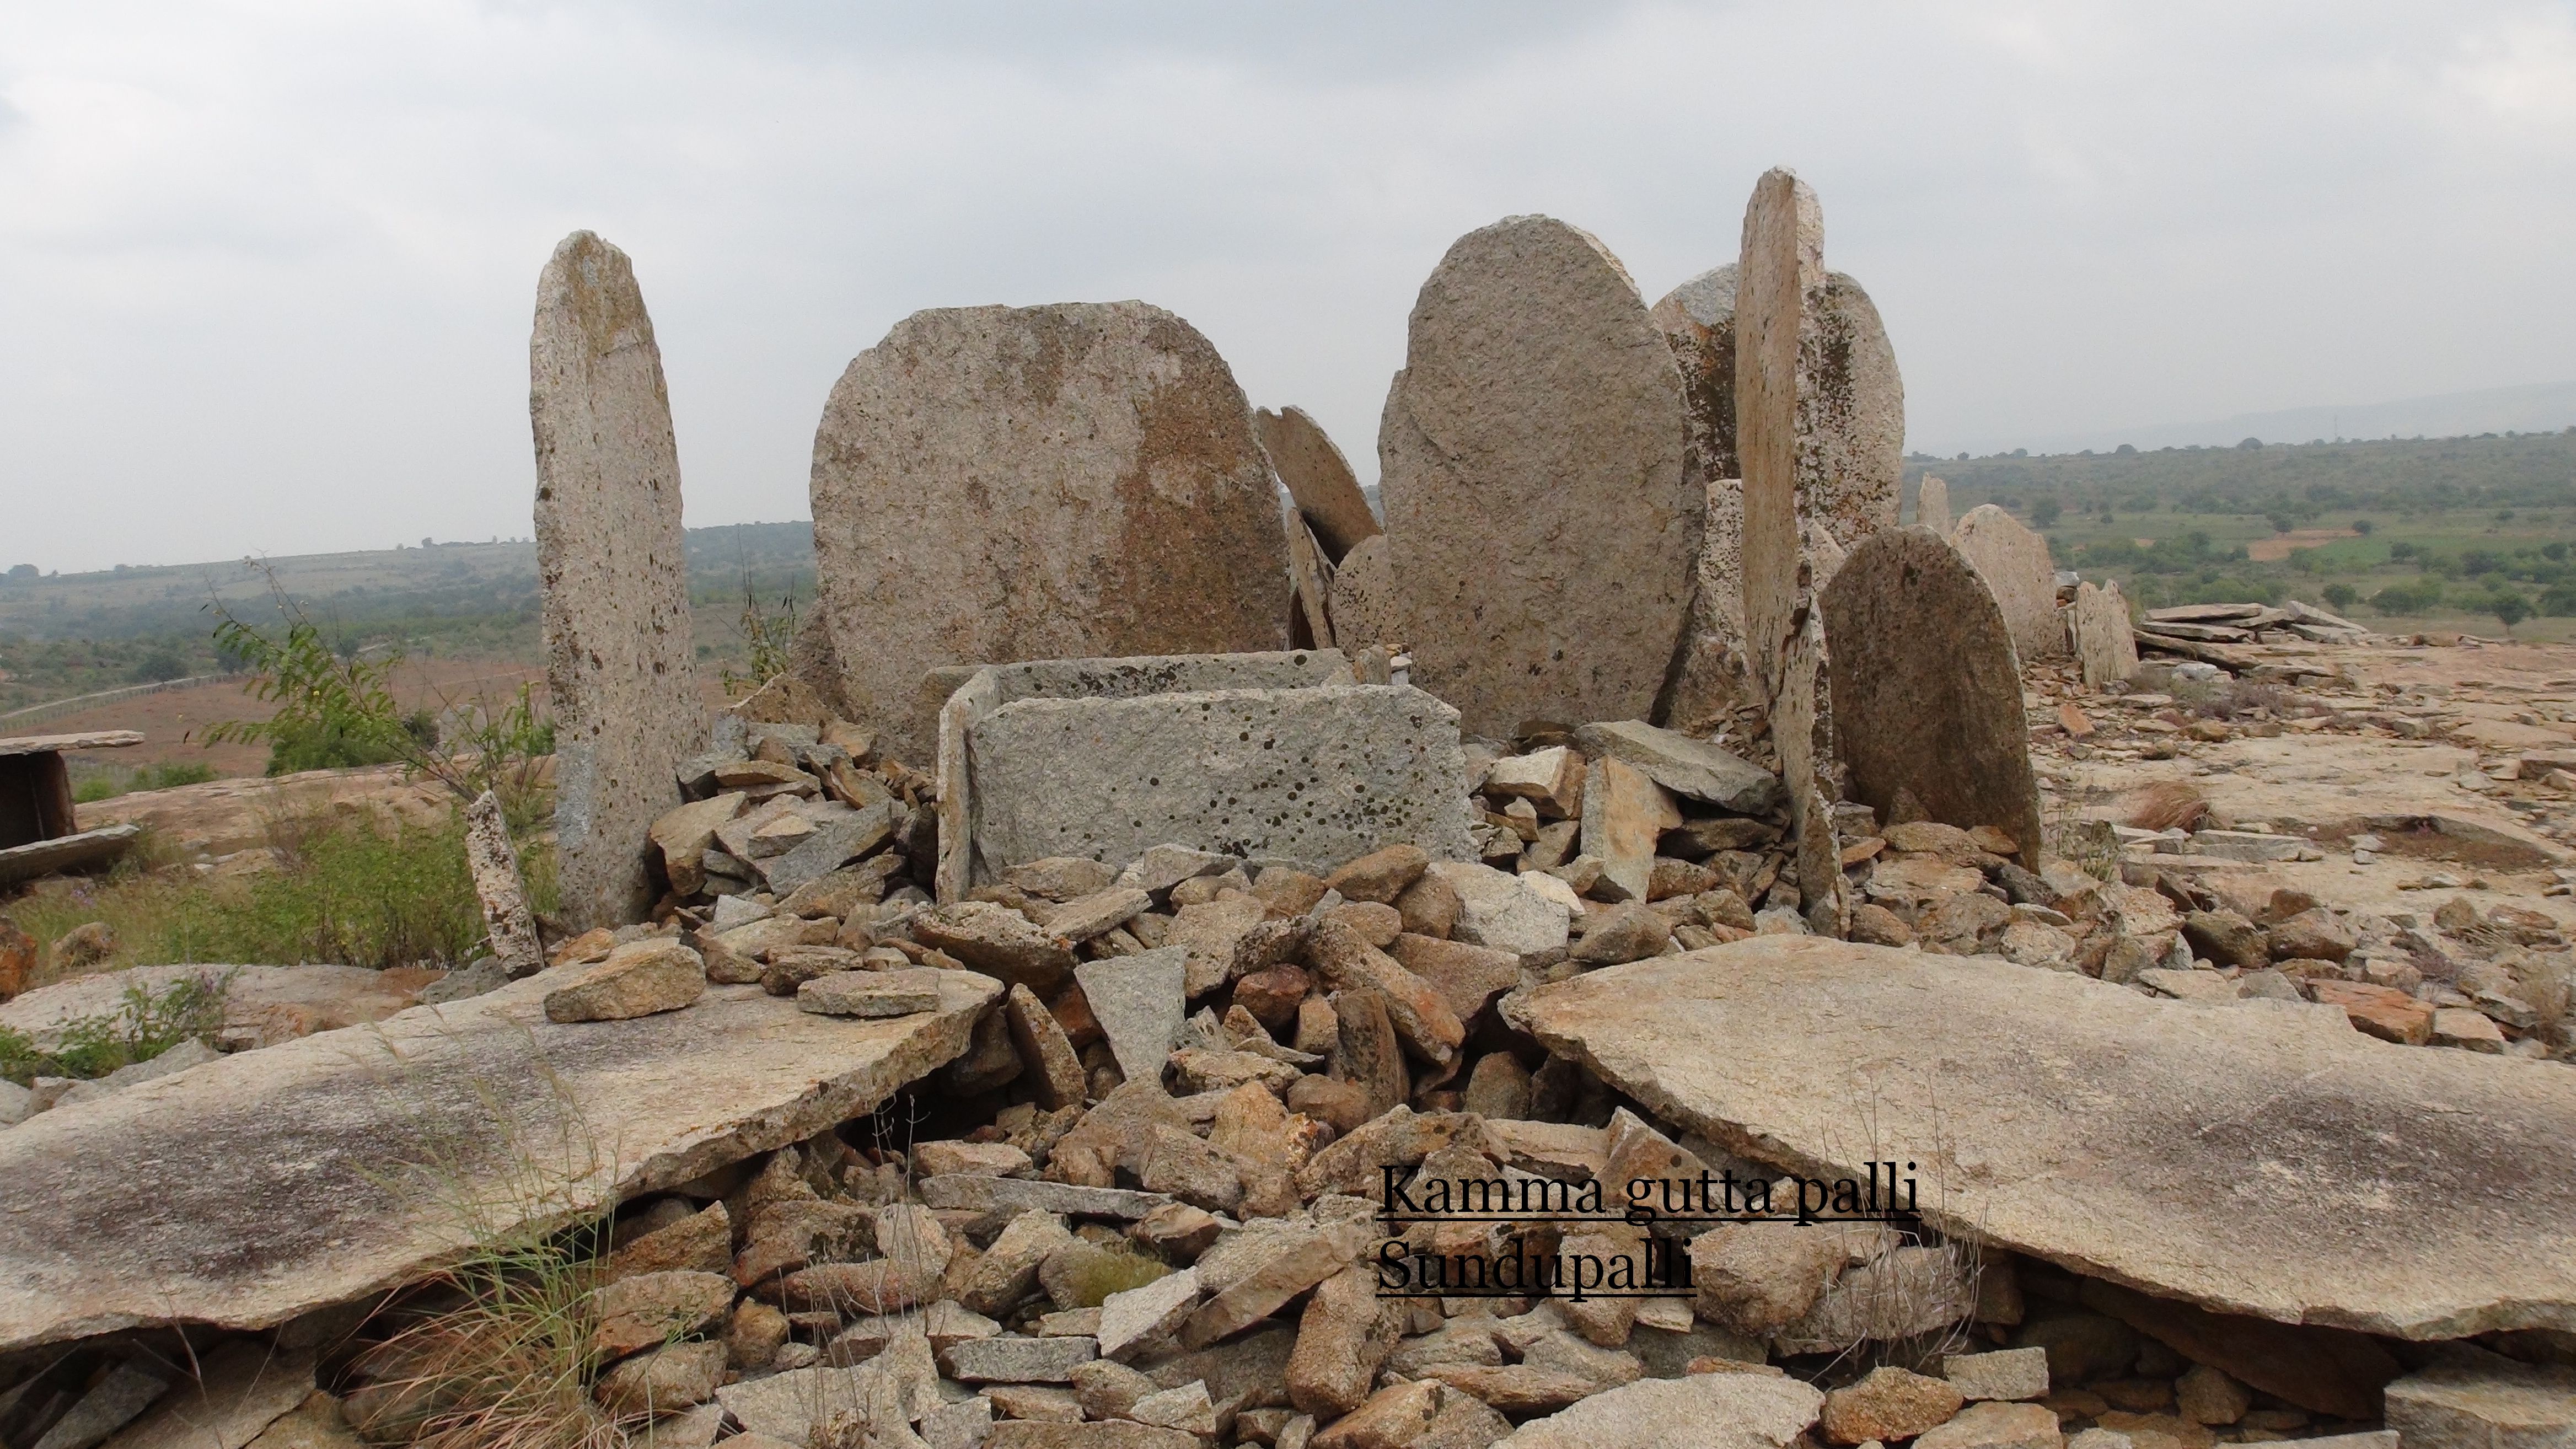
(1927, 688)
(612, 578)
(1538, 523)
(997, 483)
(2014, 563)
(1318, 478)
(1692, 768)
(2251, 1161)
(330, 1168)
(1310, 776)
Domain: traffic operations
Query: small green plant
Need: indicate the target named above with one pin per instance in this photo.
(767, 636)
(2509, 609)
(143, 1026)
(336, 709)
(2342, 596)
(164, 776)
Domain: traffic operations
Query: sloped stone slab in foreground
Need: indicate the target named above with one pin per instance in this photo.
(249, 1190)
(2251, 1157)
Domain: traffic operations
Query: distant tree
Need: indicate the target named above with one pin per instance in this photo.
(23, 571)
(2402, 550)
(2252, 445)
(2363, 526)
(2509, 609)
(2045, 512)
(2281, 522)
(2480, 561)
(2554, 552)
(2126, 450)
(2342, 596)
(159, 665)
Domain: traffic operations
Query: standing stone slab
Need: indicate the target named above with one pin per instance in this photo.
(994, 484)
(2249, 1157)
(1311, 581)
(494, 864)
(1318, 478)
(1539, 527)
(1932, 505)
(2014, 562)
(1849, 452)
(1927, 690)
(613, 579)
(2105, 645)
(1781, 269)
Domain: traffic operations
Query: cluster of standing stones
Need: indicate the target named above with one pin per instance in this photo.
(1121, 702)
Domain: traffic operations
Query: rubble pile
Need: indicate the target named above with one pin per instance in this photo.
(1686, 1014)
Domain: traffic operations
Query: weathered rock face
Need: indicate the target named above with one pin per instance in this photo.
(2014, 563)
(2116, 1135)
(2105, 645)
(613, 579)
(1319, 478)
(1927, 691)
(1539, 526)
(292, 1178)
(995, 484)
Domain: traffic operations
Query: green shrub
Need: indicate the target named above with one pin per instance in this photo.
(143, 1026)
(2342, 596)
(151, 777)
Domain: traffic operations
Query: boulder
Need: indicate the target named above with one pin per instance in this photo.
(1717, 1410)
(1318, 478)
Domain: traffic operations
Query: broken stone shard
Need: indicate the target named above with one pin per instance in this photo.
(612, 577)
(1318, 478)
(1693, 769)
(1927, 689)
(1539, 528)
(2105, 646)
(2036, 1084)
(1073, 481)
(2014, 563)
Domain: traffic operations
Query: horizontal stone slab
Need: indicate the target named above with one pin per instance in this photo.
(249, 1190)
(973, 1192)
(2249, 1157)
(66, 852)
(55, 744)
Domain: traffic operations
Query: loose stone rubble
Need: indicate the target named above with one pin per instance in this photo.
(1107, 1051)
(619, 666)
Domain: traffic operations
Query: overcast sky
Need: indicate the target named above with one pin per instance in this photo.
(266, 269)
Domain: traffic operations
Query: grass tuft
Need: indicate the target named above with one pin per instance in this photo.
(2167, 805)
(143, 1026)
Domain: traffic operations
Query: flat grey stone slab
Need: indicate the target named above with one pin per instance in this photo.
(1019, 1360)
(977, 1193)
(2247, 1157)
(252, 1189)
(1140, 1002)
(871, 993)
(66, 852)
